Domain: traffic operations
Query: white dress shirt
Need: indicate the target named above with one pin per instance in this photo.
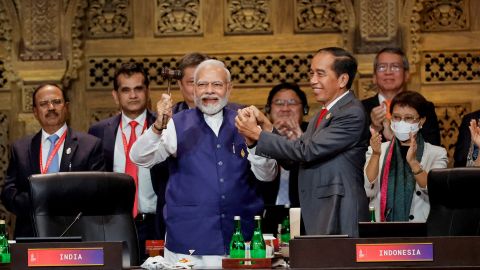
(152, 148)
(46, 145)
(147, 199)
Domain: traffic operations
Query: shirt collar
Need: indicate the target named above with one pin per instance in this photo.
(140, 120)
(59, 132)
(216, 117)
(336, 100)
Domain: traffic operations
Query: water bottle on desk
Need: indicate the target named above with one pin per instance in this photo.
(4, 249)
(257, 245)
(285, 230)
(237, 244)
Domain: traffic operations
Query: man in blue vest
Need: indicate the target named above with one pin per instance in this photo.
(212, 172)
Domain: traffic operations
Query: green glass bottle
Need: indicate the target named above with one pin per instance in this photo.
(285, 231)
(4, 249)
(257, 245)
(237, 244)
(371, 209)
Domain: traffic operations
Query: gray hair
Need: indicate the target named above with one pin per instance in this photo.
(211, 62)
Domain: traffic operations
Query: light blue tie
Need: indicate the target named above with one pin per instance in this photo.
(283, 197)
(54, 165)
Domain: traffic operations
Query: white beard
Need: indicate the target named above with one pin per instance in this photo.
(211, 109)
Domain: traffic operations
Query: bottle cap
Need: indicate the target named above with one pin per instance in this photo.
(2, 221)
(257, 218)
(236, 218)
(371, 208)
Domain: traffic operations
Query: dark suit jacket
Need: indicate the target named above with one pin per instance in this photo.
(106, 130)
(430, 130)
(331, 157)
(85, 155)
(464, 139)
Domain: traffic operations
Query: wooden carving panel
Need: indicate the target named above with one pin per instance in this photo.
(40, 30)
(3, 75)
(4, 161)
(459, 67)
(366, 88)
(248, 17)
(449, 118)
(247, 70)
(319, 16)
(179, 17)
(109, 19)
(27, 101)
(4, 23)
(100, 114)
(438, 15)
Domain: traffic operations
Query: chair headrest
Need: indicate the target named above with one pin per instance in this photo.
(454, 187)
(92, 193)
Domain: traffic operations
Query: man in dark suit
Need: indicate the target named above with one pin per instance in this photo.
(131, 94)
(54, 148)
(464, 141)
(331, 152)
(390, 75)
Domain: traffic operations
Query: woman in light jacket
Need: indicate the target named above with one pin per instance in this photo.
(396, 171)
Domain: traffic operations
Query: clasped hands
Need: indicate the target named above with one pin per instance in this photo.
(250, 122)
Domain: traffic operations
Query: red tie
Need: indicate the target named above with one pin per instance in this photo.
(320, 117)
(130, 168)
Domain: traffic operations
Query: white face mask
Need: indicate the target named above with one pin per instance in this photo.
(402, 129)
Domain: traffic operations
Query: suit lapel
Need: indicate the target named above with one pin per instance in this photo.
(109, 138)
(69, 148)
(331, 113)
(34, 153)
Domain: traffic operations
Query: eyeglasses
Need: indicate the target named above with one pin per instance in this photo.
(283, 102)
(54, 102)
(407, 118)
(394, 67)
(217, 85)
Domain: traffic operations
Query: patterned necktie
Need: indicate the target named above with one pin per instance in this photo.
(320, 117)
(54, 164)
(130, 168)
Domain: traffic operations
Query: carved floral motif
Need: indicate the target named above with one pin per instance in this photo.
(318, 15)
(457, 67)
(109, 18)
(248, 16)
(178, 17)
(441, 15)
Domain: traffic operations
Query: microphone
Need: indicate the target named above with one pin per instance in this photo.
(171, 73)
(71, 224)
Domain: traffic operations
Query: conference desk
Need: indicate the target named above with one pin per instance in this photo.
(352, 253)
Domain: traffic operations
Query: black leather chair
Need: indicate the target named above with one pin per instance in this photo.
(105, 200)
(455, 202)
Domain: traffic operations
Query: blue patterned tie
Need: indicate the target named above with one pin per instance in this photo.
(54, 165)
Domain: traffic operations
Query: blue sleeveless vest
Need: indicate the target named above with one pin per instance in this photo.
(210, 182)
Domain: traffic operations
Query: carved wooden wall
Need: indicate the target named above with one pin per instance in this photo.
(78, 43)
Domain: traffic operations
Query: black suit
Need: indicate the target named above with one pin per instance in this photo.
(430, 129)
(464, 139)
(107, 130)
(81, 152)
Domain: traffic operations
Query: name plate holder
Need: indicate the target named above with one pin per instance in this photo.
(70, 255)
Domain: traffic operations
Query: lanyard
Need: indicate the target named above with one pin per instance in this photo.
(124, 138)
(52, 154)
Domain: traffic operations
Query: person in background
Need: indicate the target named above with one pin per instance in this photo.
(390, 75)
(331, 152)
(396, 171)
(55, 148)
(286, 106)
(466, 149)
(131, 94)
(212, 173)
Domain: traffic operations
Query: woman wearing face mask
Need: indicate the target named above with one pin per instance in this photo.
(396, 171)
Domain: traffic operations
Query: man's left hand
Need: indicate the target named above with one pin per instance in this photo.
(246, 124)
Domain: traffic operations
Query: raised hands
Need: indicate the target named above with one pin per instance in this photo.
(376, 142)
(289, 128)
(475, 132)
(247, 124)
(164, 112)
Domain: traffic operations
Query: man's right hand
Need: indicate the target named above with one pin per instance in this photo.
(164, 112)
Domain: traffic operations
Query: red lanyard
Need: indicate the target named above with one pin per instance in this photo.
(124, 138)
(52, 154)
